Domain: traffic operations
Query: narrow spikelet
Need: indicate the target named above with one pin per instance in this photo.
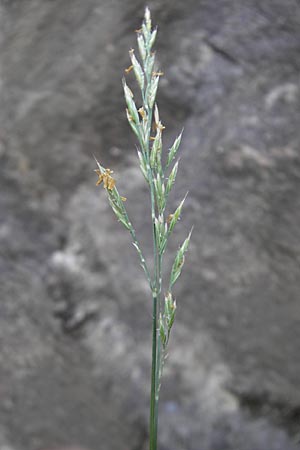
(160, 193)
(163, 331)
(170, 310)
(141, 45)
(153, 37)
(156, 150)
(134, 127)
(173, 150)
(179, 260)
(172, 178)
(176, 215)
(145, 32)
(115, 199)
(149, 64)
(130, 104)
(138, 71)
(143, 165)
(152, 91)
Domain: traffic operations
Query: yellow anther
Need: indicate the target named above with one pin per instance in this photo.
(105, 177)
(142, 112)
(159, 126)
(170, 217)
(129, 116)
(129, 69)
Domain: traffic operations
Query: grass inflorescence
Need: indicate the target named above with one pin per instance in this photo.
(145, 122)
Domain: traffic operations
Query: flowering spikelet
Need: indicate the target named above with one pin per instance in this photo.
(105, 177)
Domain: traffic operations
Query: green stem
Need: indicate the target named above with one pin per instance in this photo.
(155, 312)
(153, 403)
(157, 384)
(158, 345)
(156, 286)
(156, 352)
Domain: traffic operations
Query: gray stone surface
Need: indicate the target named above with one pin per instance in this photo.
(75, 310)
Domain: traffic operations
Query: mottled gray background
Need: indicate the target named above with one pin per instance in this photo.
(75, 311)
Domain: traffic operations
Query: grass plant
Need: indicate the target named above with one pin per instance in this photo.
(160, 177)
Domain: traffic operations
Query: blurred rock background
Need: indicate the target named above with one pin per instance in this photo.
(75, 309)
